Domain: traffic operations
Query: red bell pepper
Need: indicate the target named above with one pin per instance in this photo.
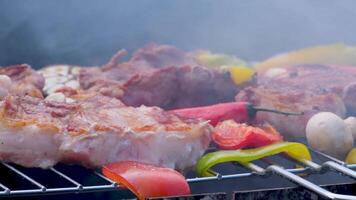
(231, 135)
(146, 180)
(239, 111)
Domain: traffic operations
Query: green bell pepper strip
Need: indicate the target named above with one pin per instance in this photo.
(297, 151)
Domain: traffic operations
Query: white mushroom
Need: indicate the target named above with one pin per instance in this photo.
(351, 124)
(327, 132)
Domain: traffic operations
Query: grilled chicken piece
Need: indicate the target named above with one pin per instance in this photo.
(96, 130)
(24, 81)
(305, 88)
(160, 75)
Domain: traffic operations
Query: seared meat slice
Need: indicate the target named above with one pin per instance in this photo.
(159, 56)
(292, 101)
(96, 130)
(24, 81)
(102, 134)
(31, 130)
(160, 75)
(307, 88)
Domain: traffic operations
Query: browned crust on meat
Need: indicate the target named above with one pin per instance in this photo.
(25, 80)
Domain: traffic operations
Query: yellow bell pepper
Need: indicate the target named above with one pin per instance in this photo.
(241, 74)
(351, 157)
(209, 59)
(335, 54)
(239, 71)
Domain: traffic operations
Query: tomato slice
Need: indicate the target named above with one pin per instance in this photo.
(231, 135)
(146, 180)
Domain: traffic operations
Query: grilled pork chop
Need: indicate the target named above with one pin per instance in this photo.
(96, 130)
(20, 79)
(159, 75)
(304, 88)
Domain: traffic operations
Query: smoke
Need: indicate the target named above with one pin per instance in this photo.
(87, 32)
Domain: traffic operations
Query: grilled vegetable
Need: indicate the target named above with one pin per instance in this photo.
(239, 71)
(351, 157)
(296, 151)
(241, 74)
(335, 54)
(351, 124)
(231, 135)
(209, 59)
(146, 180)
(328, 133)
(239, 111)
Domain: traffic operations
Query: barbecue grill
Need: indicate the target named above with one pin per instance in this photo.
(269, 178)
(211, 26)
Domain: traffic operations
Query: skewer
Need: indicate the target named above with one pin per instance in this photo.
(303, 182)
(307, 184)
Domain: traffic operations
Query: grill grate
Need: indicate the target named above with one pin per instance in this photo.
(265, 167)
(43, 190)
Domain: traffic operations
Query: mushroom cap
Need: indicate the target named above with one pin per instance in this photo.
(327, 132)
(351, 124)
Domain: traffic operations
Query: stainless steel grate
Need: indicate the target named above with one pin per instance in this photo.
(270, 167)
(43, 190)
(310, 167)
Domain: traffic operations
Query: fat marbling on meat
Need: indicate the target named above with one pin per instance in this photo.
(96, 130)
(303, 88)
(21, 80)
(160, 75)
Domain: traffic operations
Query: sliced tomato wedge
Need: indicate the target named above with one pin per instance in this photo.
(231, 135)
(146, 180)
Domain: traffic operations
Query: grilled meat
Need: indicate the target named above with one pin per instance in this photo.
(305, 88)
(21, 80)
(96, 130)
(30, 131)
(159, 75)
(58, 77)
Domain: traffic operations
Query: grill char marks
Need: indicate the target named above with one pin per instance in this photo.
(308, 88)
(160, 75)
(96, 130)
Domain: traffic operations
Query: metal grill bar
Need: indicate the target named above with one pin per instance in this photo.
(103, 177)
(327, 156)
(309, 185)
(303, 182)
(43, 188)
(6, 189)
(290, 174)
(79, 186)
(232, 176)
(340, 168)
